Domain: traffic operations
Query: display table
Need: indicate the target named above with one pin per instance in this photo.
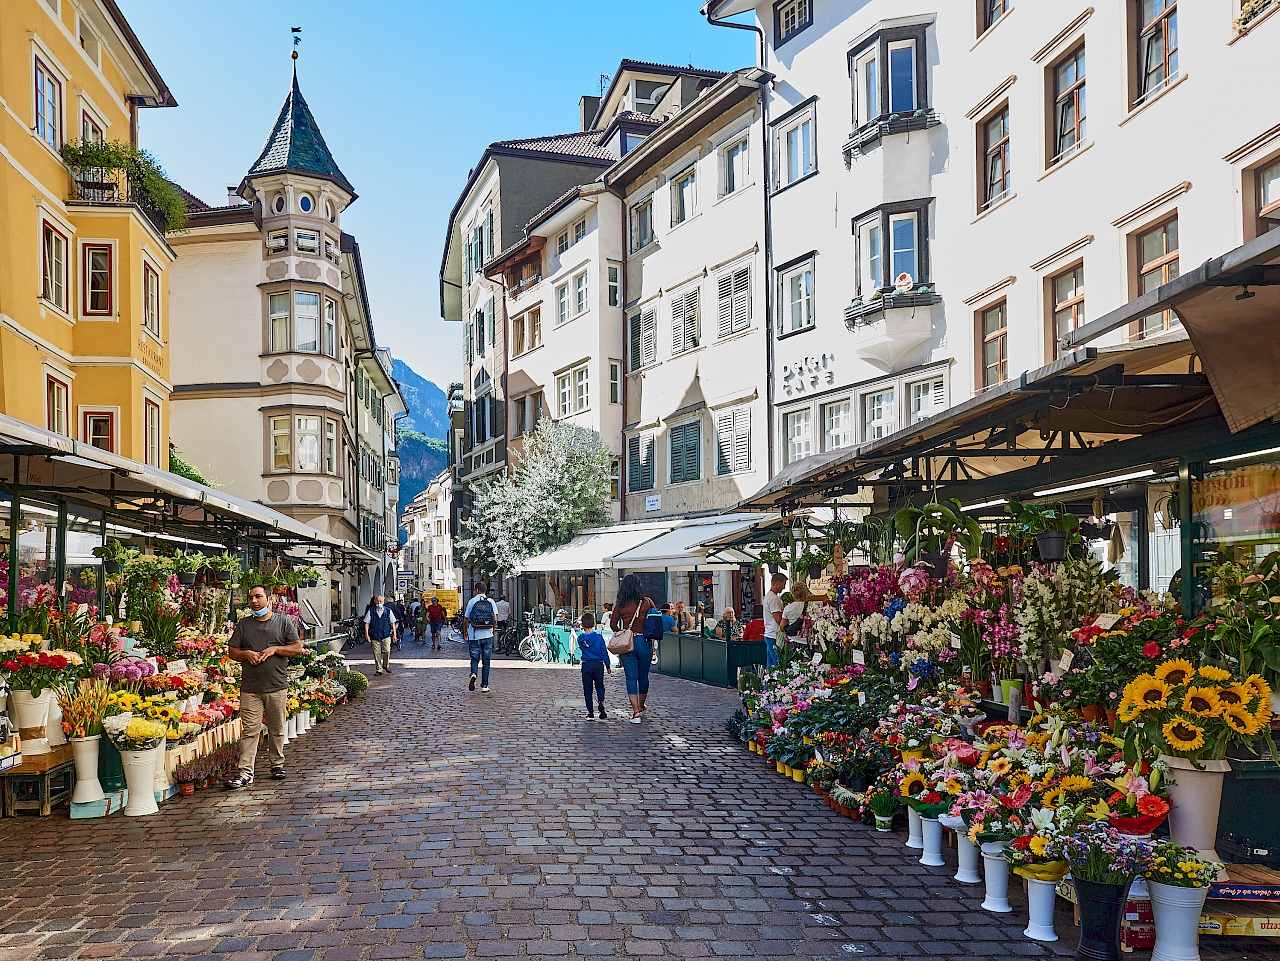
(39, 783)
(709, 660)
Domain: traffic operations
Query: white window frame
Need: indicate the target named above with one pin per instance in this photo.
(579, 230)
(615, 381)
(308, 443)
(733, 440)
(55, 280)
(280, 443)
(641, 213)
(112, 417)
(797, 427)
(330, 334)
(613, 275)
(791, 17)
(152, 291)
(581, 293)
(57, 417)
(882, 402)
(87, 249)
(306, 241)
(732, 179)
(562, 243)
(573, 391)
(936, 387)
(564, 312)
(866, 85)
(153, 439)
(279, 323)
(807, 301)
(684, 203)
(835, 437)
(48, 113)
(894, 47)
(733, 300)
(300, 345)
(686, 320)
(804, 123)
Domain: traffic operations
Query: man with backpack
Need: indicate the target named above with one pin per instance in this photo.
(478, 622)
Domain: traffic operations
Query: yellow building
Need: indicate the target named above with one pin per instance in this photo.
(84, 327)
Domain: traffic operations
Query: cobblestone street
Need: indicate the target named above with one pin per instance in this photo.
(426, 822)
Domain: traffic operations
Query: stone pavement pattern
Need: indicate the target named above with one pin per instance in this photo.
(425, 822)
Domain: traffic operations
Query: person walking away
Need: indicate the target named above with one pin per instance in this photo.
(380, 631)
(263, 642)
(477, 623)
(435, 618)
(503, 612)
(595, 663)
(415, 628)
(636, 612)
(773, 618)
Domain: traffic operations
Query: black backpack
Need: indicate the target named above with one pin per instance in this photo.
(482, 613)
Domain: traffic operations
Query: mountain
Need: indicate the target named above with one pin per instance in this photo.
(428, 404)
(420, 437)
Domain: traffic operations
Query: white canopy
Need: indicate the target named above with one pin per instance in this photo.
(682, 547)
(595, 550)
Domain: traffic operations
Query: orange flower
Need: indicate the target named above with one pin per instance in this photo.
(1152, 806)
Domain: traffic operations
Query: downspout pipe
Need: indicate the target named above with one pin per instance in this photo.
(761, 49)
(622, 457)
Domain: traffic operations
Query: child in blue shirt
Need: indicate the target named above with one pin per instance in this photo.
(595, 661)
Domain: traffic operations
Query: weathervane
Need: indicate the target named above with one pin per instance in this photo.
(297, 40)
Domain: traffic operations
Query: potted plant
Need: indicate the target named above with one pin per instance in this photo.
(306, 577)
(1103, 865)
(114, 556)
(186, 775)
(1192, 716)
(1178, 879)
(186, 565)
(929, 532)
(883, 806)
(1053, 529)
(222, 566)
(137, 739)
(83, 708)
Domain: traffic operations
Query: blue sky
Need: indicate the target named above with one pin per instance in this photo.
(408, 93)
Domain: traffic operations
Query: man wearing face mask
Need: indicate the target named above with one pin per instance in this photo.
(263, 642)
(380, 626)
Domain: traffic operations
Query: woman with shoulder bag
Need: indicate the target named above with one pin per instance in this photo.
(636, 622)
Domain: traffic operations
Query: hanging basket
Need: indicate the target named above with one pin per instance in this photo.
(1052, 546)
(186, 578)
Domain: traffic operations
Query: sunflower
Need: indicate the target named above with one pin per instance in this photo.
(1233, 694)
(1019, 779)
(1239, 719)
(1202, 702)
(1075, 783)
(1183, 735)
(1261, 717)
(1177, 671)
(1216, 674)
(1052, 797)
(1000, 766)
(1129, 711)
(912, 784)
(1149, 693)
(1259, 685)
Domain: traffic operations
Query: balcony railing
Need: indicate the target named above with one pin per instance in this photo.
(107, 185)
(872, 133)
(525, 284)
(862, 312)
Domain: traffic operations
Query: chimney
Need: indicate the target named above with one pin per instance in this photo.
(587, 108)
(233, 198)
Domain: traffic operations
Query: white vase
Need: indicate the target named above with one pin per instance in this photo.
(1177, 913)
(1041, 900)
(85, 752)
(160, 776)
(1138, 889)
(996, 869)
(1196, 797)
(967, 860)
(914, 838)
(139, 776)
(31, 714)
(290, 729)
(53, 724)
(931, 830)
(306, 719)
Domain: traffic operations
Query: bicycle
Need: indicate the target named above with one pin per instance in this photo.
(534, 646)
(507, 641)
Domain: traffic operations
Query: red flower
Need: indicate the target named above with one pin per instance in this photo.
(1151, 649)
(1152, 806)
(1115, 798)
(931, 797)
(1021, 843)
(11, 666)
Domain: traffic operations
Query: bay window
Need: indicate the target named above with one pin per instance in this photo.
(330, 447)
(97, 300)
(888, 71)
(306, 320)
(330, 328)
(278, 319)
(281, 445)
(308, 444)
(892, 246)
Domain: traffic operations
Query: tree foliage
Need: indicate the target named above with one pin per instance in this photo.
(559, 486)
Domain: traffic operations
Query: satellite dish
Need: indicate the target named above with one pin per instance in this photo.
(903, 282)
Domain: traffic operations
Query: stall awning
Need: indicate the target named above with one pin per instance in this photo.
(683, 548)
(594, 550)
(39, 463)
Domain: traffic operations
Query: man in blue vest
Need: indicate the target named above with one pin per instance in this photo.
(380, 632)
(478, 622)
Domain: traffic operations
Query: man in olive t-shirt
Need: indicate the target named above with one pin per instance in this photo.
(263, 642)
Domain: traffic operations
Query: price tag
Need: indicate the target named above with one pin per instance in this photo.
(177, 667)
(1015, 706)
(857, 657)
(1106, 621)
(955, 641)
(1065, 662)
(862, 699)
(966, 670)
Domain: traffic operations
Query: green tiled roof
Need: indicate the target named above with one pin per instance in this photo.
(296, 144)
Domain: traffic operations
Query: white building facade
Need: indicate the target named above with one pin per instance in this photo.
(946, 177)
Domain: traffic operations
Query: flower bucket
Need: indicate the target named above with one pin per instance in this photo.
(85, 752)
(187, 788)
(53, 724)
(1177, 913)
(31, 714)
(931, 830)
(780, 766)
(797, 775)
(915, 839)
(140, 773)
(1094, 712)
(966, 852)
(1041, 900)
(918, 754)
(884, 824)
(161, 780)
(1007, 685)
(1101, 911)
(996, 871)
(1196, 796)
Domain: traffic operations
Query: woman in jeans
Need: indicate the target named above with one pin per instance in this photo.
(636, 611)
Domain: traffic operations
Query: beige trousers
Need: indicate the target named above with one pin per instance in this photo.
(381, 654)
(254, 708)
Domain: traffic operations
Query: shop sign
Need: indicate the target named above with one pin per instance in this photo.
(653, 502)
(810, 373)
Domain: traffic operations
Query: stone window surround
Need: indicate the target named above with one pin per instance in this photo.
(293, 412)
(300, 286)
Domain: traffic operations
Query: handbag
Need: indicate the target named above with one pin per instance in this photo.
(794, 629)
(624, 641)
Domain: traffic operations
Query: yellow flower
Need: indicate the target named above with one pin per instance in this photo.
(1129, 710)
(1074, 784)
(1177, 671)
(912, 784)
(1183, 735)
(1149, 693)
(1238, 719)
(1234, 694)
(1201, 701)
(1216, 674)
(1052, 797)
(1259, 685)
(1019, 779)
(954, 786)
(1000, 766)
(1039, 846)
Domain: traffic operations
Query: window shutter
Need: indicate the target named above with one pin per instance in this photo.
(493, 333)
(479, 333)
(468, 338)
(677, 325)
(692, 327)
(741, 298)
(647, 461)
(677, 454)
(649, 337)
(742, 439)
(637, 336)
(724, 442)
(488, 233)
(725, 290)
(634, 468)
(692, 451)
